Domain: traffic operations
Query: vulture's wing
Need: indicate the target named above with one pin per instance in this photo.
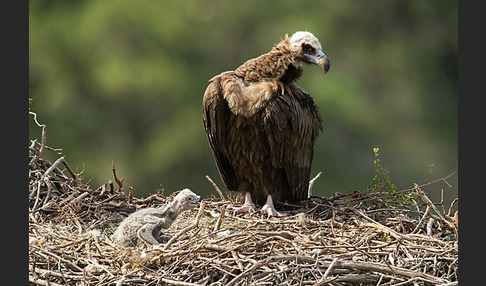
(292, 123)
(215, 116)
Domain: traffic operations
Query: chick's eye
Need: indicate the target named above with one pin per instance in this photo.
(189, 198)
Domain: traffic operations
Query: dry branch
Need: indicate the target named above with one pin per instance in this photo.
(215, 187)
(438, 215)
(311, 184)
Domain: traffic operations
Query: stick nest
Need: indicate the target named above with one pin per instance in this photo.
(360, 238)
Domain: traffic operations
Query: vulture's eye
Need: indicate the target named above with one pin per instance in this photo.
(307, 47)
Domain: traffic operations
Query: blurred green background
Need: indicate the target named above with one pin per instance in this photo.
(124, 80)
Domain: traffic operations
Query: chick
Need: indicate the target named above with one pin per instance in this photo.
(143, 227)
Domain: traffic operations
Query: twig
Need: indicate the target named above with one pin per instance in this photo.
(451, 207)
(119, 182)
(178, 283)
(311, 184)
(432, 206)
(429, 227)
(248, 271)
(112, 188)
(43, 140)
(71, 172)
(328, 271)
(427, 210)
(215, 187)
(220, 218)
(37, 196)
(78, 198)
(42, 147)
(432, 182)
(120, 282)
(38, 281)
(441, 203)
(130, 194)
(149, 199)
(53, 166)
(71, 243)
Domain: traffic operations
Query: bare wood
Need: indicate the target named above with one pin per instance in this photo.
(130, 194)
(215, 187)
(69, 263)
(328, 271)
(178, 283)
(238, 260)
(427, 210)
(71, 172)
(42, 147)
(220, 218)
(357, 278)
(78, 198)
(311, 184)
(38, 281)
(424, 197)
(451, 207)
(216, 247)
(53, 166)
(112, 188)
(37, 196)
(430, 225)
(149, 199)
(432, 182)
(370, 266)
(119, 182)
(71, 243)
(247, 272)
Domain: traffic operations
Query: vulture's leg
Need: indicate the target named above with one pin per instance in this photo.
(269, 208)
(248, 206)
(145, 235)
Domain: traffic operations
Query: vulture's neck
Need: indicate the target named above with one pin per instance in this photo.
(292, 73)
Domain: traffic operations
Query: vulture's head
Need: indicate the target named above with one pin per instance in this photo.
(185, 200)
(308, 49)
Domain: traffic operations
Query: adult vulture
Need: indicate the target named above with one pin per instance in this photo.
(262, 127)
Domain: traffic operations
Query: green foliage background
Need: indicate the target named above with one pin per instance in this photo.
(123, 81)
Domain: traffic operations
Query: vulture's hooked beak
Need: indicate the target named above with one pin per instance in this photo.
(319, 59)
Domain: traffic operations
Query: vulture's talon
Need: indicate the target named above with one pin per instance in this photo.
(255, 213)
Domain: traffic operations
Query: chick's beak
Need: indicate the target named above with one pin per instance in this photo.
(320, 59)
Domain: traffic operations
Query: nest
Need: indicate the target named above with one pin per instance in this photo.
(360, 238)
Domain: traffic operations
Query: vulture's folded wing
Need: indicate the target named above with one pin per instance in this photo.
(292, 123)
(215, 116)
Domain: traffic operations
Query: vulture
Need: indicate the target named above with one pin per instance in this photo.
(262, 127)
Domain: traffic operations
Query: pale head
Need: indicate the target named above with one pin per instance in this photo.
(185, 200)
(308, 49)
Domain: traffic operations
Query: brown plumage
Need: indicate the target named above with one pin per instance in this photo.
(262, 127)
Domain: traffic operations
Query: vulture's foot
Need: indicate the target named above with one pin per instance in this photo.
(271, 211)
(245, 208)
(269, 208)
